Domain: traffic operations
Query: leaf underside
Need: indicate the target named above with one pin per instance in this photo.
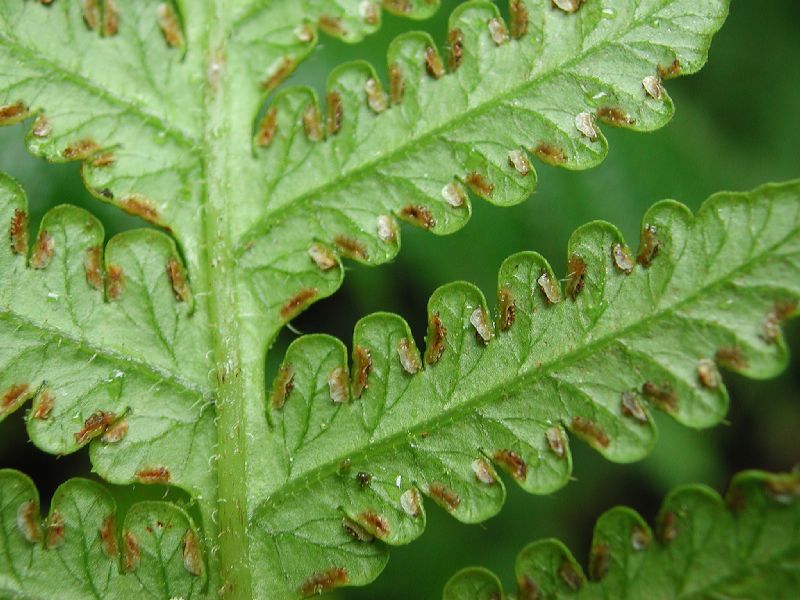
(746, 545)
(118, 346)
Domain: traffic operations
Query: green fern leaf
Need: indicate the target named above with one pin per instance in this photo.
(745, 546)
(499, 390)
(151, 350)
(79, 551)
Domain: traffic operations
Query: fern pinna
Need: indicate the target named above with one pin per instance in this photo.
(150, 348)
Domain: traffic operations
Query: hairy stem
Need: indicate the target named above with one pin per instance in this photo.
(231, 372)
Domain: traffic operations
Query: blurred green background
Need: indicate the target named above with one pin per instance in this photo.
(737, 126)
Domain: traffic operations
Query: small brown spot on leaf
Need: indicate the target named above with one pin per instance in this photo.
(518, 161)
(599, 561)
(115, 282)
(370, 12)
(671, 70)
(356, 531)
(732, 358)
(622, 258)
(42, 127)
(528, 589)
(18, 232)
(43, 250)
(108, 536)
(549, 288)
(435, 339)
(110, 18)
(444, 496)
(455, 39)
(43, 405)
(454, 194)
(278, 71)
(784, 489)
(322, 257)
(433, 63)
(344, 466)
(513, 463)
(374, 523)
(337, 386)
(507, 308)
(519, 18)
(267, 128)
(94, 426)
(80, 150)
(177, 279)
(283, 386)
(362, 363)
(771, 326)
(480, 185)
(335, 112)
(577, 276)
(351, 247)
(56, 530)
(584, 123)
(363, 479)
(568, 6)
(409, 356)
(93, 268)
(28, 521)
(498, 31)
(402, 7)
(297, 303)
(555, 440)
(591, 432)
(569, 574)
(91, 13)
(387, 229)
(418, 215)
(13, 397)
(151, 475)
(324, 581)
(411, 502)
(376, 97)
(131, 555)
(192, 556)
(396, 83)
(649, 246)
(331, 25)
(12, 113)
(169, 24)
(662, 395)
(652, 86)
(640, 538)
(668, 526)
(483, 471)
(483, 326)
(631, 407)
(615, 116)
(550, 154)
(708, 374)
(139, 206)
(312, 123)
(116, 432)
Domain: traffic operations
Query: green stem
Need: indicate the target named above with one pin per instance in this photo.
(231, 368)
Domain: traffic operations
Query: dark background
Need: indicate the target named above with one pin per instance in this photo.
(737, 126)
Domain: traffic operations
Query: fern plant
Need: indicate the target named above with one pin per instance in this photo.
(150, 348)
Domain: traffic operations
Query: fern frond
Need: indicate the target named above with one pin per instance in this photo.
(101, 340)
(413, 148)
(744, 546)
(80, 551)
(497, 391)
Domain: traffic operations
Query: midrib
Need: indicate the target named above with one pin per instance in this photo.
(231, 552)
